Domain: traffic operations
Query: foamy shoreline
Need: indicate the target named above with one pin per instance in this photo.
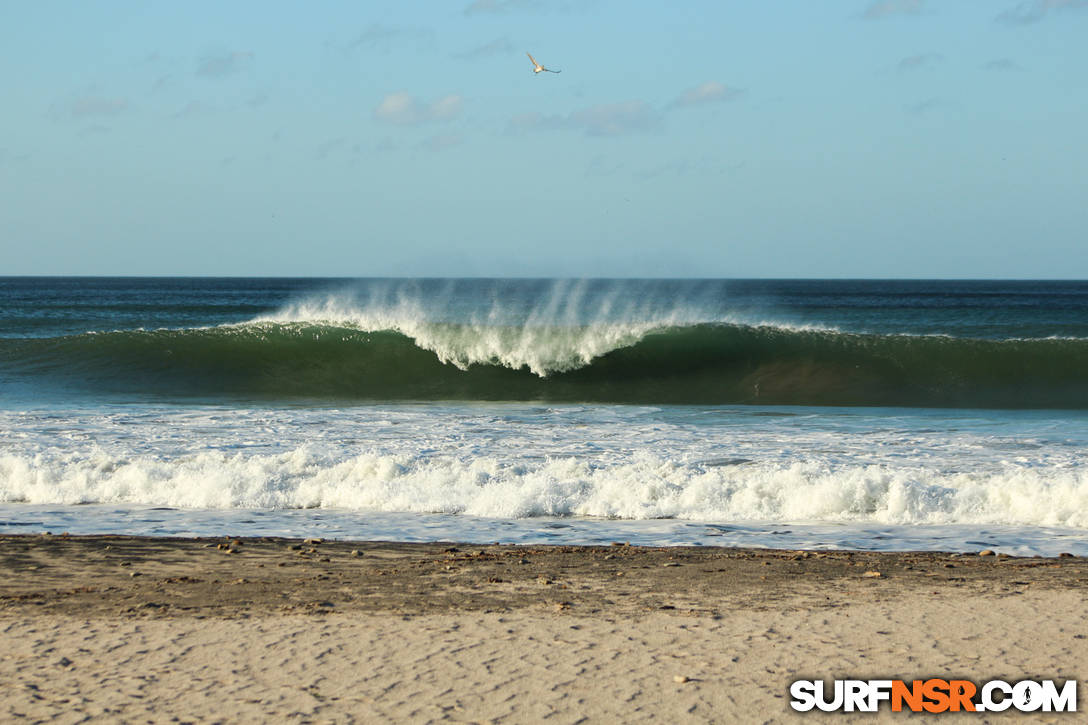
(245, 630)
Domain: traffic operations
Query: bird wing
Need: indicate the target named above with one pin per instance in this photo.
(553, 71)
(535, 64)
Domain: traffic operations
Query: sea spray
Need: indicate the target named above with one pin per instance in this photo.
(562, 328)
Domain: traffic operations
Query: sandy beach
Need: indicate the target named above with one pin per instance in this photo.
(132, 629)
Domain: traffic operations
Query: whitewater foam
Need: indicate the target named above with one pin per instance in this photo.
(646, 487)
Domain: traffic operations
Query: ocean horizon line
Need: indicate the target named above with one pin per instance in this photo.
(538, 278)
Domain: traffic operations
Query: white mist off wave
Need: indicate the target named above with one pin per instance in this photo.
(643, 487)
(541, 343)
(562, 331)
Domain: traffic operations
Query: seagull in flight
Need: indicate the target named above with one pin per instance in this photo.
(537, 68)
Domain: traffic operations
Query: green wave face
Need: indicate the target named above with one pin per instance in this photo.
(691, 364)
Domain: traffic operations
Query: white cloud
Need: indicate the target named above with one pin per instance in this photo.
(403, 109)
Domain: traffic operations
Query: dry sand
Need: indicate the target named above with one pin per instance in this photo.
(121, 629)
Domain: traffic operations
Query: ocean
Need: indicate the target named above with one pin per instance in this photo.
(885, 415)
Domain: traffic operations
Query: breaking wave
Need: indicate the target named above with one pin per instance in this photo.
(333, 349)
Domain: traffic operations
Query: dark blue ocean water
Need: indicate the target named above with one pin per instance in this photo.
(50, 306)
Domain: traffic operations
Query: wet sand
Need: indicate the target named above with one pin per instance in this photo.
(251, 630)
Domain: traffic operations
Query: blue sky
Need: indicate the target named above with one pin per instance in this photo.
(896, 138)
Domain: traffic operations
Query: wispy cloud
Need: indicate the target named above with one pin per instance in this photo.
(887, 8)
(927, 105)
(95, 106)
(679, 167)
(326, 148)
(498, 6)
(919, 61)
(377, 35)
(192, 108)
(534, 121)
(1002, 65)
(1032, 11)
(442, 142)
(605, 119)
(95, 129)
(403, 109)
(478, 7)
(625, 117)
(603, 166)
(708, 165)
(225, 64)
(618, 119)
(709, 92)
(499, 46)
(7, 157)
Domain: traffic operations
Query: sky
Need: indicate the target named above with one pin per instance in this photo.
(788, 138)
